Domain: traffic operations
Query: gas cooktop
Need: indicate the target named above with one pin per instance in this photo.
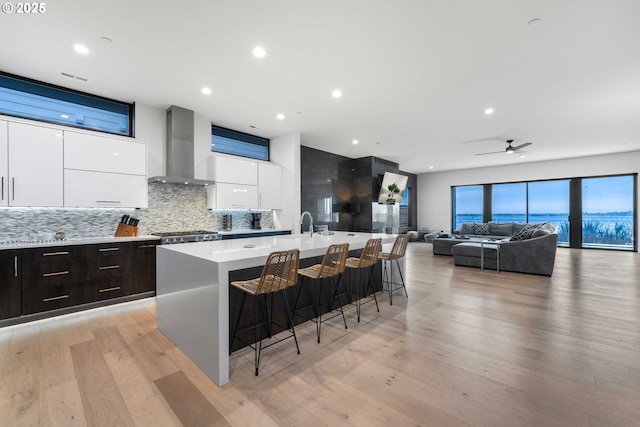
(170, 237)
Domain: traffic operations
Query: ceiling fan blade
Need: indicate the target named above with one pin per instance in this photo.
(526, 144)
(493, 152)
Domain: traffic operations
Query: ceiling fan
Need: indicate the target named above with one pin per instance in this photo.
(509, 150)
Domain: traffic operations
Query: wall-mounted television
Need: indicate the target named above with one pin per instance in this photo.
(392, 188)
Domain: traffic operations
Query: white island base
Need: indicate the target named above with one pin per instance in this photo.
(193, 288)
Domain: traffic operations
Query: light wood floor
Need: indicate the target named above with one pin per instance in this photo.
(467, 348)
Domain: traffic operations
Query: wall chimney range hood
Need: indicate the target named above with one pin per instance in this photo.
(180, 149)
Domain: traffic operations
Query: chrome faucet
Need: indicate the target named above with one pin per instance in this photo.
(310, 222)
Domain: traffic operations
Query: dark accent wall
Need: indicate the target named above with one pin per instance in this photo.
(351, 186)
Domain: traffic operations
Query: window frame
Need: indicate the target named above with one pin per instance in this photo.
(575, 206)
(249, 140)
(36, 83)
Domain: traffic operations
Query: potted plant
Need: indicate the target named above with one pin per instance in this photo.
(393, 190)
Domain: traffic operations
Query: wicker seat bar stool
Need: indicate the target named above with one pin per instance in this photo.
(397, 251)
(365, 263)
(279, 273)
(332, 267)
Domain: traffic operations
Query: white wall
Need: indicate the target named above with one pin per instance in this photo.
(285, 151)
(434, 189)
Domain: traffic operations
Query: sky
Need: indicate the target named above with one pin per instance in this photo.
(608, 194)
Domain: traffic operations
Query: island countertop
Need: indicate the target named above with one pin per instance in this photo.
(193, 288)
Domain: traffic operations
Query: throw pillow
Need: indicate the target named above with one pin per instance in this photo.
(481, 228)
(517, 226)
(525, 233)
(540, 231)
(467, 228)
(500, 229)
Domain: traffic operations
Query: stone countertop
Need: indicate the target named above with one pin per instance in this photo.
(69, 242)
(253, 251)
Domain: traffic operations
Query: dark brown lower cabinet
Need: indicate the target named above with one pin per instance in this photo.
(64, 276)
(10, 284)
(145, 266)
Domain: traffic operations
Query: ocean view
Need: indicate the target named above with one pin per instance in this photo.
(612, 228)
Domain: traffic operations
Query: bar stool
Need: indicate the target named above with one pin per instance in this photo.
(279, 273)
(398, 251)
(332, 267)
(367, 260)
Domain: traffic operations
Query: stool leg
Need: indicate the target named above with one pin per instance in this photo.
(337, 282)
(318, 312)
(402, 278)
(256, 355)
(389, 281)
(288, 309)
(370, 285)
(235, 328)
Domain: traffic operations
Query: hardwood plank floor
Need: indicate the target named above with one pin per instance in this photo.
(466, 348)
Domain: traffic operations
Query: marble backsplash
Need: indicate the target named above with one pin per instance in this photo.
(172, 207)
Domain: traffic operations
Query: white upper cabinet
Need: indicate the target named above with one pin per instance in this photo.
(104, 172)
(232, 171)
(269, 186)
(103, 154)
(103, 189)
(35, 165)
(4, 165)
(232, 196)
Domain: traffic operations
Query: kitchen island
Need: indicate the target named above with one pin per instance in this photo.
(193, 288)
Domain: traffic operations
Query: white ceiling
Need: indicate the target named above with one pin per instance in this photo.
(416, 75)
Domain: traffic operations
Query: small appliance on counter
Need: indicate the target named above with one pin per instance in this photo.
(172, 237)
(255, 220)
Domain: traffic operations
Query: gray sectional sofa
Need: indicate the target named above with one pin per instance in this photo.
(527, 248)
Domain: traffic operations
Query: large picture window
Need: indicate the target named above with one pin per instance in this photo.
(467, 204)
(607, 212)
(591, 212)
(30, 99)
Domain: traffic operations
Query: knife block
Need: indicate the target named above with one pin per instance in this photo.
(126, 230)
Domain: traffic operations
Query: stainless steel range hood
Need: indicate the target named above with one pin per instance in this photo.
(180, 149)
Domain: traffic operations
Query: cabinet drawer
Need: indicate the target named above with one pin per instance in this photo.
(112, 266)
(51, 298)
(52, 266)
(114, 287)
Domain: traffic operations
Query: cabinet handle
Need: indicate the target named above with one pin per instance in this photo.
(115, 288)
(13, 188)
(15, 266)
(108, 202)
(109, 267)
(55, 298)
(55, 253)
(57, 273)
(108, 249)
(3, 188)
(146, 246)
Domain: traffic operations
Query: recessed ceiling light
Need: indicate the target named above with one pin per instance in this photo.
(81, 49)
(259, 52)
(206, 91)
(336, 93)
(522, 156)
(431, 167)
(488, 111)
(64, 116)
(354, 142)
(280, 116)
